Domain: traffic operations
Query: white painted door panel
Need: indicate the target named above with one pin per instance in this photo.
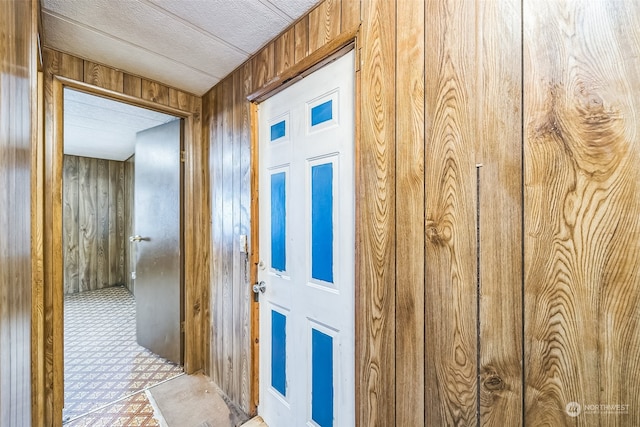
(307, 245)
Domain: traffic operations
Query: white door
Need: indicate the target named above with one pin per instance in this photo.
(307, 240)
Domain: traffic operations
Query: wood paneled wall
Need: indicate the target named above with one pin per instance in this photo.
(62, 69)
(18, 119)
(581, 91)
(129, 225)
(94, 209)
(496, 267)
(227, 132)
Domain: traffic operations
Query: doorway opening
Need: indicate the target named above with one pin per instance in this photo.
(111, 260)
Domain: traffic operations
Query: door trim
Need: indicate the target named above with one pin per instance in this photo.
(344, 43)
(50, 302)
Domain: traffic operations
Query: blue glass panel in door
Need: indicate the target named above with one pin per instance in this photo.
(278, 221)
(322, 222)
(322, 113)
(278, 130)
(321, 378)
(279, 352)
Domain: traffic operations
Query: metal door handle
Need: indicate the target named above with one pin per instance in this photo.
(136, 238)
(259, 287)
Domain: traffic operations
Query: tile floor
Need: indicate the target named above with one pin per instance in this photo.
(106, 371)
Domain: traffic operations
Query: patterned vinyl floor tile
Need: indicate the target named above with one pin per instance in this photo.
(104, 364)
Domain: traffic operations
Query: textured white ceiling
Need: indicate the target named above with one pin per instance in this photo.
(187, 44)
(102, 128)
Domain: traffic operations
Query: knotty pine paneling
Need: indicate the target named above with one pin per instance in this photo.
(63, 69)
(18, 71)
(93, 223)
(581, 88)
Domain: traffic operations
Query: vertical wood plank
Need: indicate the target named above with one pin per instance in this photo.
(375, 215)
(226, 188)
(263, 66)
(217, 344)
(132, 85)
(155, 92)
(104, 77)
(17, 103)
(116, 223)
(88, 222)
(179, 99)
(301, 40)
(582, 279)
(410, 205)
(284, 51)
(102, 216)
(237, 281)
(244, 196)
(350, 13)
(324, 23)
(70, 67)
(498, 138)
(450, 178)
(70, 223)
(129, 215)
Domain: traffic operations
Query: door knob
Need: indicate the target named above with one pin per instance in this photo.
(259, 287)
(136, 238)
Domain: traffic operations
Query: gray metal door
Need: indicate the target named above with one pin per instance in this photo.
(158, 281)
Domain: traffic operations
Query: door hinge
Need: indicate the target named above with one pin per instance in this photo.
(183, 156)
(181, 326)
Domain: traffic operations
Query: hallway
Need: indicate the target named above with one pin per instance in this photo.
(106, 371)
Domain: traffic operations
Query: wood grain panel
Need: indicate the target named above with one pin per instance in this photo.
(375, 216)
(132, 85)
(410, 202)
(129, 215)
(155, 92)
(94, 240)
(179, 99)
(263, 66)
(284, 51)
(244, 228)
(324, 23)
(301, 41)
(581, 196)
(227, 254)
(88, 223)
(116, 223)
(102, 228)
(350, 13)
(104, 77)
(217, 344)
(70, 199)
(18, 106)
(451, 268)
(499, 150)
(64, 65)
